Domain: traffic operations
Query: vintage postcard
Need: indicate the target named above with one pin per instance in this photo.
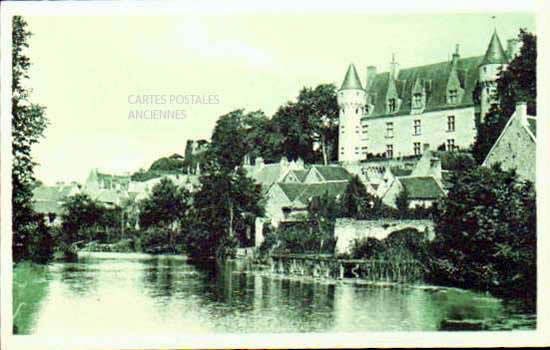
(183, 174)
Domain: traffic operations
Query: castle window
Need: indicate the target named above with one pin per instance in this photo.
(416, 147)
(392, 105)
(417, 127)
(389, 151)
(453, 96)
(389, 130)
(450, 145)
(356, 110)
(451, 123)
(417, 100)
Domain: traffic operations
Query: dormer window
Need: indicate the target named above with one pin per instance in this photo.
(392, 105)
(452, 96)
(417, 100)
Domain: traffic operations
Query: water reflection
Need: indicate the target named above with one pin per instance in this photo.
(131, 294)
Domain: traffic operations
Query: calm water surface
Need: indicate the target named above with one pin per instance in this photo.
(134, 294)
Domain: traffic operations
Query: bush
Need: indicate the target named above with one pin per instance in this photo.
(486, 234)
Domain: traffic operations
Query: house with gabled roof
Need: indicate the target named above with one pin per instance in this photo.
(289, 201)
(395, 112)
(516, 146)
(423, 191)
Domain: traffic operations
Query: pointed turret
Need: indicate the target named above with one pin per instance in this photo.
(351, 81)
(495, 52)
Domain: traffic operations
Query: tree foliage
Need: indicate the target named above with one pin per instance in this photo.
(222, 206)
(28, 125)
(518, 82)
(486, 233)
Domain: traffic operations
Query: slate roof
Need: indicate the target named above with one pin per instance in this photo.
(47, 207)
(304, 192)
(332, 188)
(434, 77)
(422, 187)
(351, 80)
(398, 171)
(333, 173)
(300, 174)
(268, 175)
(495, 53)
(292, 190)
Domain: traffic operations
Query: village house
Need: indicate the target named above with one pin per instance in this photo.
(516, 146)
(48, 200)
(424, 185)
(290, 186)
(398, 111)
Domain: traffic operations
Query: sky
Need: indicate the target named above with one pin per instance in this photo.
(94, 74)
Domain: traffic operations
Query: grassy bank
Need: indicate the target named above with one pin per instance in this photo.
(29, 290)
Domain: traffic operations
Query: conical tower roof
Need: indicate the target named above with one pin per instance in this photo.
(495, 53)
(351, 81)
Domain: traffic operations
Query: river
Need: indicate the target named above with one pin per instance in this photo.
(136, 294)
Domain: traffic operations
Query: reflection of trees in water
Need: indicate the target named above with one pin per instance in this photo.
(160, 279)
(30, 287)
(79, 277)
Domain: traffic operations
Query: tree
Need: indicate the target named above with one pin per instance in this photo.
(227, 146)
(165, 208)
(28, 125)
(80, 219)
(402, 202)
(486, 234)
(518, 82)
(356, 200)
(321, 106)
(221, 207)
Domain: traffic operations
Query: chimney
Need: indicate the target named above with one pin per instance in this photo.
(371, 73)
(456, 55)
(521, 112)
(394, 67)
(513, 48)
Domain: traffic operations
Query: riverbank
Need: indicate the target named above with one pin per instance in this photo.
(236, 296)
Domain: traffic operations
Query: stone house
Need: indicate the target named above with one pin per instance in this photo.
(48, 200)
(397, 111)
(516, 146)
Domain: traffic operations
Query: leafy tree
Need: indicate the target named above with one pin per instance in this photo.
(308, 128)
(172, 163)
(81, 219)
(165, 208)
(221, 207)
(356, 200)
(227, 146)
(486, 234)
(28, 125)
(402, 202)
(321, 106)
(518, 82)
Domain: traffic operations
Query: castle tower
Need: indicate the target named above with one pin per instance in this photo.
(351, 103)
(493, 62)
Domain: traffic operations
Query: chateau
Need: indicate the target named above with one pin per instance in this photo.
(399, 111)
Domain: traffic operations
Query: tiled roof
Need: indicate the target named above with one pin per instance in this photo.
(333, 173)
(495, 53)
(351, 81)
(434, 77)
(422, 187)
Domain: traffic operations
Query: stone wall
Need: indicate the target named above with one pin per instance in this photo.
(347, 230)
